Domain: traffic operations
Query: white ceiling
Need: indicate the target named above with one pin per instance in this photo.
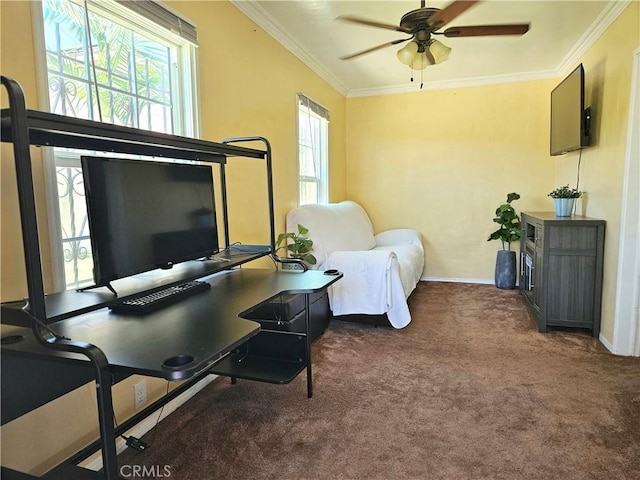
(560, 32)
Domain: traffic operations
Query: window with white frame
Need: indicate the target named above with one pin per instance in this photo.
(313, 151)
(128, 63)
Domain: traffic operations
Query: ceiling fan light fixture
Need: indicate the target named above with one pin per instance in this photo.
(422, 50)
(420, 61)
(408, 53)
(439, 51)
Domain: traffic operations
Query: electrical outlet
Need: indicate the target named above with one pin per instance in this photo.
(140, 394)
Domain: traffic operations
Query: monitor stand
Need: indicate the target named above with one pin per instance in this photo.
(91, 287)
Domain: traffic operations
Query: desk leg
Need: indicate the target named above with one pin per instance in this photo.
(307, 340)
(104, 381)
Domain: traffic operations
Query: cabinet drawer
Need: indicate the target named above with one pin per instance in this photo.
(579, 238)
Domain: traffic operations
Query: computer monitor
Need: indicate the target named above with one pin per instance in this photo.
(145, 215)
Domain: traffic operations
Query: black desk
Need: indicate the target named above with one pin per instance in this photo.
(143, 345)
(203, 327)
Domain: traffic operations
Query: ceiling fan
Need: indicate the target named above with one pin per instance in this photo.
(423, 50)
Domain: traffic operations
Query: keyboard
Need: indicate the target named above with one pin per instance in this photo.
(153, 301)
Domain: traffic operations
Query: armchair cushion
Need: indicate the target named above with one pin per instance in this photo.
(336, 226)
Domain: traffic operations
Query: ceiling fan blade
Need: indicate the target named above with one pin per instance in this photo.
(448, 13)
(373, 49)
(482, 30)
(371, 23)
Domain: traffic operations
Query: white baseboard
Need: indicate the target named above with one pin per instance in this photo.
(95, 461)
(607, 344)
(458, 280)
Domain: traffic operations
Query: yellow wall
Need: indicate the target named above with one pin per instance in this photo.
(248, 83)
(17, 61)
(442, 161)
(248, 86)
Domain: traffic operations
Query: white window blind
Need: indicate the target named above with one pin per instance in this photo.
(163, 17)
(313, 106)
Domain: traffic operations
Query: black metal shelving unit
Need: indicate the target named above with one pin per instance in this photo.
(24, 128)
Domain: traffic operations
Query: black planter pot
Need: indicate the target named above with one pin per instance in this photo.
(506, 269)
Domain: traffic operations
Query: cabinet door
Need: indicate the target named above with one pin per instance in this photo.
(572, 266)
(571, 299)
(527, 260)
(539, 267)
(528, 284)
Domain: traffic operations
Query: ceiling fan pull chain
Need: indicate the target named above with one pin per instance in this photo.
(421, 78)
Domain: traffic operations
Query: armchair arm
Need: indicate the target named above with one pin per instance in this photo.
(360, 261)
(399, 236)
(364, 287)
(371, 285)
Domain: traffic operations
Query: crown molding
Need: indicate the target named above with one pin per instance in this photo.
(609, 14)
(265, 21)
(459, 83)
(597, 28)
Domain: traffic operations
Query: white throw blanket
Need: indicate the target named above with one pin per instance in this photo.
(374, 285)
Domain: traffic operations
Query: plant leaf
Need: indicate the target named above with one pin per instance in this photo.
(512, 196)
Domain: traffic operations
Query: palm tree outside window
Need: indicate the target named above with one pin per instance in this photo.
(112, 64)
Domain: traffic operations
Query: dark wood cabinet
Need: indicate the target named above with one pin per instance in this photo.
(561, 270)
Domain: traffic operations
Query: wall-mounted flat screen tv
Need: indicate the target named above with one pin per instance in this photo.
(569, 118)
(145, 215)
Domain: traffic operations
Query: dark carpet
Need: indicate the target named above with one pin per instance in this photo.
(469, 390)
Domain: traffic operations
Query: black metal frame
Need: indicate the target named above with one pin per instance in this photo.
(25, 127)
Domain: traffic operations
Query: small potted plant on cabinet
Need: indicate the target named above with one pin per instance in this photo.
(298, 246)
(563, 199)
(509, 231)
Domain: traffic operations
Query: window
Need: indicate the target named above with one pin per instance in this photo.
(313, 151)
(126, 63)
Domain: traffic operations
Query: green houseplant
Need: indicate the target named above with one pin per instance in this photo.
(297, 245)
(509, 231)
(565, 192)
(563, 200)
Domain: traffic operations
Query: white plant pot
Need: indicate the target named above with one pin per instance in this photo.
(563, 206)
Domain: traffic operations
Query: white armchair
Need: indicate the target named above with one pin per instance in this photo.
(380, 271)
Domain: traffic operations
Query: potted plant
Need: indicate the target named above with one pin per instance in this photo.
(509, 231)
(563, 199)
(297, 245)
